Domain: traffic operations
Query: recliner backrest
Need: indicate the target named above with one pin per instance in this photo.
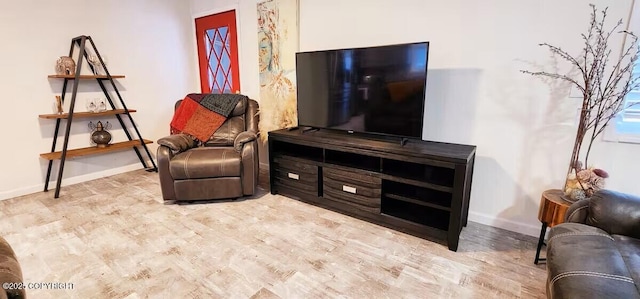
(233, 126)
(615, 212)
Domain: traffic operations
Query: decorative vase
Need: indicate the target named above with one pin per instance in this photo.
(58, 105)
(100, 136)
(101, 106)
(92, 105)
(65, 66)
(95, 63)
(582, 183)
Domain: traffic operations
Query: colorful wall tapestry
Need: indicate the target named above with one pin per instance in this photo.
(277, 45)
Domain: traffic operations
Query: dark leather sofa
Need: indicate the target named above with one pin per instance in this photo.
(10, 272)
(226, 166)
(596, 252)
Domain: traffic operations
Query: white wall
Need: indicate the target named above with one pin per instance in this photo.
(149, 41)
(523, 127)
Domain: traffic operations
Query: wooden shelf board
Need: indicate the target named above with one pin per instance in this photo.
(118, 146)
(414, 182)
(85, 114)
(417, 202)
(437, 232)
(85, 76)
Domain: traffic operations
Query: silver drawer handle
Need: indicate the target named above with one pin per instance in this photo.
(349, 189)
(294, 176)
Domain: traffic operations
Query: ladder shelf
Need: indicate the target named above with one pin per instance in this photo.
(134, 141)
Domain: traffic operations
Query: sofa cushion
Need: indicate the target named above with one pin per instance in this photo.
(584, 262)
(199, 163)
(630, 250)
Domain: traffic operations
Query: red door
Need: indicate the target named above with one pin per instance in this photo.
(217, 37)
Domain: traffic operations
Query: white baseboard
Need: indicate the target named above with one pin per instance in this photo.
(69, 181)
(510, 225)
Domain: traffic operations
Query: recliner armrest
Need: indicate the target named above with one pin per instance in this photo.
(242, 138)
(578, 211)
(177, 143)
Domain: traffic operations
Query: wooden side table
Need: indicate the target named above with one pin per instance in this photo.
(553, 207)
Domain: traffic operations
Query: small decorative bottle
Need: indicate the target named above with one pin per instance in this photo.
(91, 105)
(58, 105)
(101, 105)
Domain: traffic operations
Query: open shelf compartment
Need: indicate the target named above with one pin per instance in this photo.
(424, 215)
(417, 195)
(436, 175)
(354, 160)
(296, 150)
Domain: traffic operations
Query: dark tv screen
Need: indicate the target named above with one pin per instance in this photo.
(374, 90)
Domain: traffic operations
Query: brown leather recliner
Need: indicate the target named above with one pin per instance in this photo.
(226, 166)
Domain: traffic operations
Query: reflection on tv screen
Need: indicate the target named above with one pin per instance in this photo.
(375, 90)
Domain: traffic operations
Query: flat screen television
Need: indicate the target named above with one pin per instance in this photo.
(373, 90)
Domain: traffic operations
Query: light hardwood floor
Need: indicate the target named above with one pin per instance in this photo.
(114, 238)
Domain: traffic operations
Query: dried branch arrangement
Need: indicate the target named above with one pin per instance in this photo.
(603, 82)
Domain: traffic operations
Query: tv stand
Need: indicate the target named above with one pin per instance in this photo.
(422, 189)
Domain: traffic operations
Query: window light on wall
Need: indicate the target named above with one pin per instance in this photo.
(625, 127)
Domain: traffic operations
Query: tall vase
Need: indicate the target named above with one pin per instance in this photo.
(582, 183)
(100, 136)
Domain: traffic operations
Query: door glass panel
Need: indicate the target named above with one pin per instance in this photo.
(219, 61)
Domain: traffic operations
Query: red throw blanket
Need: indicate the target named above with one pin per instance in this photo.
(195, 117)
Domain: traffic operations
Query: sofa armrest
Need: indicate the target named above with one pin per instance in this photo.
(242, 138)
(615, 213)
(10, 271)
(177, 143)
(578, 212)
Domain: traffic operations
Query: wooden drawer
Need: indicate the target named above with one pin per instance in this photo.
(351, 187)
(296, 174)
(295, 164)
(337, 196)
(359, 190)
(357, 179)
(358, 202)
